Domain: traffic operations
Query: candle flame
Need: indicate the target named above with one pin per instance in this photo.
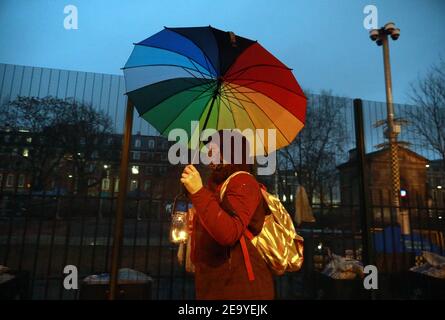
(179, 236)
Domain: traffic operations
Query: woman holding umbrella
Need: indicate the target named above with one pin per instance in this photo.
(226, 265)
(222, 81)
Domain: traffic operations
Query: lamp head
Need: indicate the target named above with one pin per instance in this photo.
(395, 34)
(374, 34)
(389, 27)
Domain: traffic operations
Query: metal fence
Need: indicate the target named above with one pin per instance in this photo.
(41, 233)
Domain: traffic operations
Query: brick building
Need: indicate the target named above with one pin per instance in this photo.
(150, 172)
(413, 177)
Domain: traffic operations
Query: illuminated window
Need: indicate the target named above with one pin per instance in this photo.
(135, 169)
(133, 185)
(105, 184)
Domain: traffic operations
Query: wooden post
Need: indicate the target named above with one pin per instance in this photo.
(122, 194)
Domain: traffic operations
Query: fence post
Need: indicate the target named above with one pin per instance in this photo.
(119, 223)
(364, 204)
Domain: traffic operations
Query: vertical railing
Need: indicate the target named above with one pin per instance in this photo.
(362, 183)
(119, 223)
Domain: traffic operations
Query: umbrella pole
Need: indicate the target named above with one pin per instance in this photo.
(210, 111)
(205, 124)
(119, 219)
(182, 189)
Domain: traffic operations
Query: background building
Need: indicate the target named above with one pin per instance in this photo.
(413, 177)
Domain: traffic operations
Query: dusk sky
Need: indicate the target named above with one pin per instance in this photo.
(324, 41)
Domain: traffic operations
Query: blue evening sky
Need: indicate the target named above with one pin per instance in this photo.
(324, 41)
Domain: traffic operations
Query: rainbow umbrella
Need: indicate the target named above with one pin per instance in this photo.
(220, 79)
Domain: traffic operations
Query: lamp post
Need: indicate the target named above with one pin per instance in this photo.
(380, 36)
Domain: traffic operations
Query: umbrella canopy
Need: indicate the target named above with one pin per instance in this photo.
(222, 80)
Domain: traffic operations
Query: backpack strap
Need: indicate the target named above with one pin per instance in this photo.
(226, 183)
(247, 234)
(246, 257)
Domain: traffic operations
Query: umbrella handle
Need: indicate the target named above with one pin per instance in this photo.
(182, 191)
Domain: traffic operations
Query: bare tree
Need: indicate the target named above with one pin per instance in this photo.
(62, 132)
(39, 119)
(84, 135)
(427, 118)
(314, 154)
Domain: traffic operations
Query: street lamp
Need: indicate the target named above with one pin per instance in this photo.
(380, 36)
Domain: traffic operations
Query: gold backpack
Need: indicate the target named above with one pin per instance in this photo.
(278, 242)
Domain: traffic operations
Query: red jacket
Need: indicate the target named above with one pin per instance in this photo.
(220, 267)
